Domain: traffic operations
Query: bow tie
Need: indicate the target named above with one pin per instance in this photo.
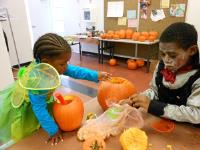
(170, 76)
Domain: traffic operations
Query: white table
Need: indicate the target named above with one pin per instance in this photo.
(102, 46)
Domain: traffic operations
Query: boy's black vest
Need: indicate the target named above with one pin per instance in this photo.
(174, 96)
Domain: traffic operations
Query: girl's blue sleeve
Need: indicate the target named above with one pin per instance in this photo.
(81, 73)
(39, 107)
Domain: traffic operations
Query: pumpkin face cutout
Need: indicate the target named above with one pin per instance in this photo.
(114, 90)
(113, 62)
(68, 113)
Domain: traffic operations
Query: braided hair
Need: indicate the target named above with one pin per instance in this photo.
(184, 35)
(50, 45)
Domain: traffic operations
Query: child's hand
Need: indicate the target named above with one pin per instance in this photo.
(55, 139)
(140, 100)
(104, 76)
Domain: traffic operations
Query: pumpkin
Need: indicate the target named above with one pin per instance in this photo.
(132, 64)
(122, 34)
(110, 32)
(140, 62)
(135, 36)
(142, 38)
(115, 36)
(129, 33)
(114, 90)
(103, 36)
(94, 143)
(151, 38)
(109, 36)
(153, 33)
(163, 125)
(68, 113)
(113, 62)
(134, 139)
(146, 34)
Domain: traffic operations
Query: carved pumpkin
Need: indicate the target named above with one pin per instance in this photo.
(134, 139)
(140, 62)
(113, 62)
(114, 90)
(94, 143)
(68, 113)
(132, 64)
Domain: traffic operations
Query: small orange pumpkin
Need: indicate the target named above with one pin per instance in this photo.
(68, 113)
(153, 33)
(110, 32)
(151, 38)
(116, 37)
(122, 34)
(132, 65)
(94, 143)
(113, 62)
(146, 34)
(103, 36)
(129, 33)
(142, 38)
(140, 62)
(135, 36)
(114, 90)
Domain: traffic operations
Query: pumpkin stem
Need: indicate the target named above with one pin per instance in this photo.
(116, 80)
(95, 146)
(60, 98)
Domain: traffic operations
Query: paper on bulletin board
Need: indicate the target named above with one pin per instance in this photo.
(177, 10)
(164, 3)
(131, 14)
(157, 14)
(115, 9)
(122, 21)
(132, 23)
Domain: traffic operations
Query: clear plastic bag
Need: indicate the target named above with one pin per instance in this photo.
(112, 122)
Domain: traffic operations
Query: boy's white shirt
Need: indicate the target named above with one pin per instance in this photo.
(190, 112)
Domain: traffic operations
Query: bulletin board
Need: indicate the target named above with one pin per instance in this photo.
(144, 24)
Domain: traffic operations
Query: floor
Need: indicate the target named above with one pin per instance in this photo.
(138, 77)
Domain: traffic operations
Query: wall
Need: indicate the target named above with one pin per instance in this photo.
(6, 76)
(40, 16)
(21, 29)
(193, 15)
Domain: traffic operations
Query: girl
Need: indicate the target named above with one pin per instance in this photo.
(19, 121)
(174, 92)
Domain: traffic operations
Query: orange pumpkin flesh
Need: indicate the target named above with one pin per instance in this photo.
(114, 90)
(94, 143)
(70, 114)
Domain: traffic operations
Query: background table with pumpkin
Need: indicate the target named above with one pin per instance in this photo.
(183, 137)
